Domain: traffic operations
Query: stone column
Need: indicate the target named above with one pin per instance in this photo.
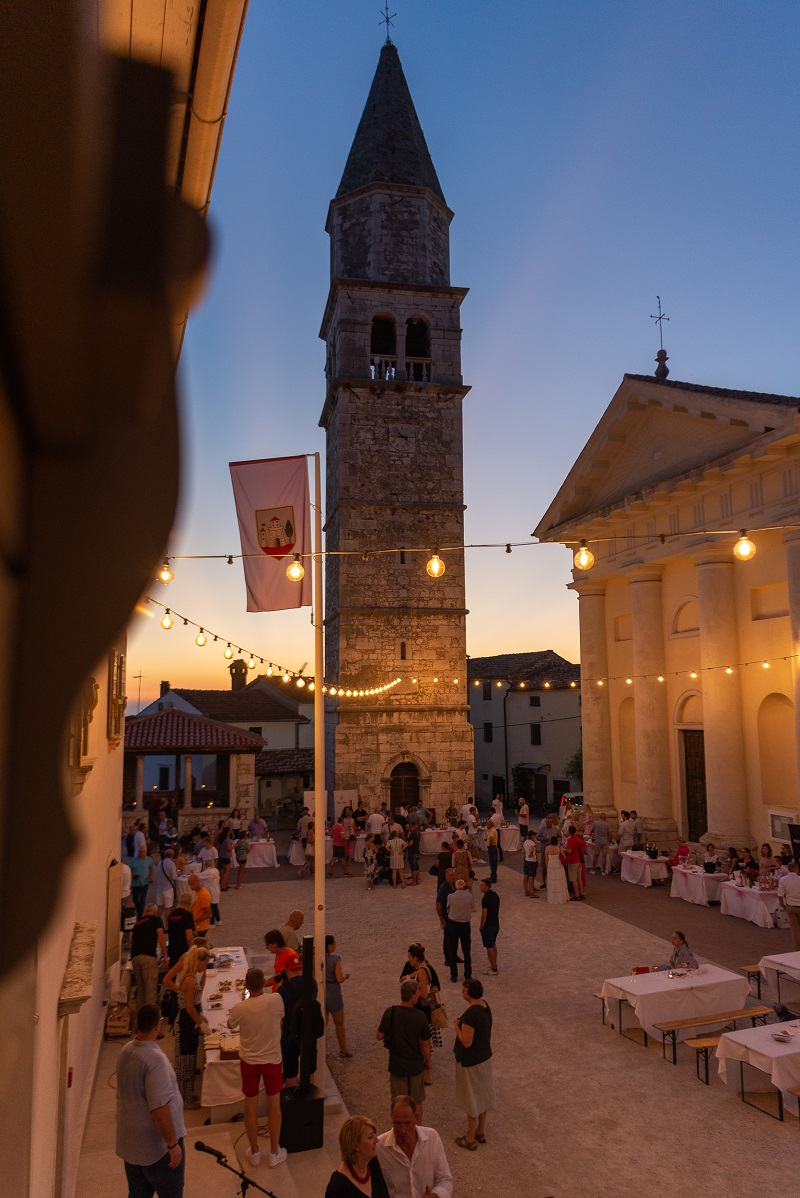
(598, 787)
(233, 778)
(654, 794)
(139, 796)
(791, 540)
(726, 787)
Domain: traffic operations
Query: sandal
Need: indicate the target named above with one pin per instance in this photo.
(345, 1055)
(470, 1145)
(480, 1138)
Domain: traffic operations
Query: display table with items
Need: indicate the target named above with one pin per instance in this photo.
(297, 854)
(509, 838)
(748, 902)
(759, 1059)
(694, 885)
(432, 839)
(224, 988)
(778, 968)
(263, 854)
(642, 870)
(674, 994)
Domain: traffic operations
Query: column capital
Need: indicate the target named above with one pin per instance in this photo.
(713, 555)
(644, 573)
(587, 587)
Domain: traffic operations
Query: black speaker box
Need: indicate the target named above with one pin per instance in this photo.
(302, 1125)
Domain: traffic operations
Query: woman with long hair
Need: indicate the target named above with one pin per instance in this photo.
(418, 967)
(189, 976)
(334, 1003)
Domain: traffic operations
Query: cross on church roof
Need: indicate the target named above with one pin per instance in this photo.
(386, 19)
(662, 316)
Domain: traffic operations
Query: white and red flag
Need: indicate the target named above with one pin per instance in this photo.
(274, 524)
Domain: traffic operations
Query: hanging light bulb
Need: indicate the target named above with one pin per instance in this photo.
(301, 681)
(547, 686)
(629, 682)
(296, 571)
(332, 691)
(693, 674)
(228, 652)
(167, 620)
(599, 681)
(477, 682)
(435, 566)
(583, 558)
(728, 670)
(573, 685)
(744, 548)
(313, 686)
(166, 574)
(660, 678)
(765, 665)
(251, 664)
(286, 676)
(201, 639)
(270, 670)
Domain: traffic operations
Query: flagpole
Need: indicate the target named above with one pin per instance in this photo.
(320, 800)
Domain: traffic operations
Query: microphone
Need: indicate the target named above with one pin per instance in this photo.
(201, 1147)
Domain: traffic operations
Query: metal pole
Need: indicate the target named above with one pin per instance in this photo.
(320, 799)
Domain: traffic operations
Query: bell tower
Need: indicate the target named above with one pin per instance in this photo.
(392, 418)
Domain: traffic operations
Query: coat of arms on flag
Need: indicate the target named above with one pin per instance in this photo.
(276, 530)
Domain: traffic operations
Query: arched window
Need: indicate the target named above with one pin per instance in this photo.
(404, 785)
(418, 350)
(383, 348)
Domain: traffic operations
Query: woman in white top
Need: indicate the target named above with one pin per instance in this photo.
(397, 849)
(529, 867)
(557, 892)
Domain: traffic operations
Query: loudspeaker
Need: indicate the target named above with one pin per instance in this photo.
(302, 1125)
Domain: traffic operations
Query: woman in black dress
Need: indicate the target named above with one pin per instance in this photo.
(359, 1172)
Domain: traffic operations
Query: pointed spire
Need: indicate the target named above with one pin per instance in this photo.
(389, 145)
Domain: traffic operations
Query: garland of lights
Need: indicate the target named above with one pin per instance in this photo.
(629, 679)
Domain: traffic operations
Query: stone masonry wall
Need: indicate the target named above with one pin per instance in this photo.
(397, 234)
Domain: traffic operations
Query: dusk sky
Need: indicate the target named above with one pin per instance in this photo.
(595, 155)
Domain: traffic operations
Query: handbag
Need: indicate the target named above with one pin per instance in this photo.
(439, 1016)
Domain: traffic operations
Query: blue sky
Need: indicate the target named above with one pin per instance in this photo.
(595, 155)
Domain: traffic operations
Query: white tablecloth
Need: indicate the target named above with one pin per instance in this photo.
(759, 906)
(639, 869)
(788, 963)
(358, 847)
(656, 998)
(222, 1080)
(431, 840)
(509, 839)
(696, 886)
(297, 854)
(263, 854)
(779, 1062)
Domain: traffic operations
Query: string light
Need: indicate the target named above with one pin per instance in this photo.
(286, 676)
(167, 620)
(228, 652)
(166, 574)
(270, 670)
(251, 664)
(728, 670)
(201, 639)
(765, 665)
(660, 678)
(302, 682)
(629, 681)
(435, 566)
(583, 558)
(547, 686)
(744, 548)
(693, 674)
(573, 684)
(296, 571)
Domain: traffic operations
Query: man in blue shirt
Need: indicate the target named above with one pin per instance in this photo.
(442, 894)
(143, 872)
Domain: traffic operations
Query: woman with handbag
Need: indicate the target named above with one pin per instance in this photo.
(425, 975)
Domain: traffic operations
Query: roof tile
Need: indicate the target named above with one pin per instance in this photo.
(179, 731)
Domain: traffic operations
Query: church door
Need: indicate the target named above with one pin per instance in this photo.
(404, 786)
(695, 767)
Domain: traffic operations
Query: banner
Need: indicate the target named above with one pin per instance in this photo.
(274, 523)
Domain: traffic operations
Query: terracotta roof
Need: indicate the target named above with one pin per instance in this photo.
(285, 761)
(389, 145)
(178, 731)
(534, 669)
(792, 401)
(242, 705)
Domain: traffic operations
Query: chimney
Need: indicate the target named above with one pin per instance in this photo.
(164, 688)
(238, 671)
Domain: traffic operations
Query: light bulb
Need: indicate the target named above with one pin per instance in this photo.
(455, 682)
(744, 548)
(628, 681)
(270, 670)
(301, 681)
(693, 674)
(573, 685)
(251, 664)
(435, 566)
(547, 686)
(728, 670)
(599, 681)
(286, 676)
(477, 682)
(348, 693)
(660, 678)
(166, 574)
(296, 570)
(583, 558)
(498, 684)
(765, 665)
(312, 686)
(436, 680)
(332, 691)
(167, 620)
(228, 652)
(201, 639)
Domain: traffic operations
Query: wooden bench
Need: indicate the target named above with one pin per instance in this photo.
(597, 994)
(670, 1030)
(753, 971)
(702, 1046)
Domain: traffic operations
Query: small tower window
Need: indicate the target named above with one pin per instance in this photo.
(418, 350)
(383, 349)
(402, 651)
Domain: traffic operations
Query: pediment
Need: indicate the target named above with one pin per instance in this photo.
(649, 435)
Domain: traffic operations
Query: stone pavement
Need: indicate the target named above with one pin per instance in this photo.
(581, 1111)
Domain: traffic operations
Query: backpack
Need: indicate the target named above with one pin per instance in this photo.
(293, 1023)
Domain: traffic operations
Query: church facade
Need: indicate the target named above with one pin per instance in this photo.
(394, 490)
(689, 669)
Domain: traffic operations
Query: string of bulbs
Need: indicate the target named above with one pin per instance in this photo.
(629, 679)
(583, 559)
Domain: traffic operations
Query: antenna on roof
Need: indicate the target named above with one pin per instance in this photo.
(662, 370)
(386, 19)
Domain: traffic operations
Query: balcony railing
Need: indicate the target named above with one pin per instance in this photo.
(383, 369)
(418, 370)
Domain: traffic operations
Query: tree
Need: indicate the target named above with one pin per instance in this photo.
(522, 780)
(574, 768)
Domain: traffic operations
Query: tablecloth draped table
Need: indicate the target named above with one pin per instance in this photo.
(778, 1062)
(759, 906)
(222, 1080)
(641, 870)
(358, 847)
(696, 886)
(612, 856)
(656, 997)
(509, 839)
(432, 838)
(297, 854)
(263, 854)
(787, 963)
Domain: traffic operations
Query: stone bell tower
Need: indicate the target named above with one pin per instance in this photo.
(392, 416)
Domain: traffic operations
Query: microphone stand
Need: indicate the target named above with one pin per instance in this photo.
(246, 1181)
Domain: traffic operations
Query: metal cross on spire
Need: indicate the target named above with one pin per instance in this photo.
(386, 19)
(662, 316)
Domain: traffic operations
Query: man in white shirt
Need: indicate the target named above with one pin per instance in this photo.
(497, 804)
(375, 823)
(789, 899)
(412, 1158)
(258, 1021)
(207, 855)
(150, 1128)
(466, 808)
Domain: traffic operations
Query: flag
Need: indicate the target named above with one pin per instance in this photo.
(274, 524)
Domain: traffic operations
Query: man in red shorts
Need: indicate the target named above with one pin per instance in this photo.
(258, 1022)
